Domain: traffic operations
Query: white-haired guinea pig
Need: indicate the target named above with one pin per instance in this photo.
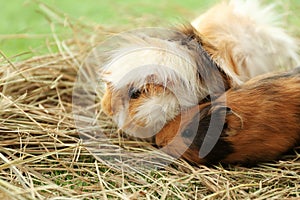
(151, 77)
(259, 120)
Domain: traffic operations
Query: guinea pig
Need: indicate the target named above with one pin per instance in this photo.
(255, 122)
(151, 75)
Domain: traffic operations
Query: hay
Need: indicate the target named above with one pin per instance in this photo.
(43, 157)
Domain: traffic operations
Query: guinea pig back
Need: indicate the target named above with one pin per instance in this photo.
(261, 122)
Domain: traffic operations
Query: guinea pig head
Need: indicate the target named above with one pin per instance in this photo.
(140, 111)
(151, 78)
(199, 134)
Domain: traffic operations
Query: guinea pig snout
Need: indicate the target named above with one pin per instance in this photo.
(106, 103)
(111, 102)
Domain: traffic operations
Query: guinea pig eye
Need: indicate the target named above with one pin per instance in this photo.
(134, 93)
(187, 133)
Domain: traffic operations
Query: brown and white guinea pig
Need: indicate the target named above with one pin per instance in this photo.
(255, 122)
(224, 47)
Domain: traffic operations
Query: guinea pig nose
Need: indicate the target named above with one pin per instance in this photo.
(158, 146)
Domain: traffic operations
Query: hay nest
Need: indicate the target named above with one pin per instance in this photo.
(42, 155)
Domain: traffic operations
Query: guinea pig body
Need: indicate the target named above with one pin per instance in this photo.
(248, 37)
(261, 121)
(152, 76)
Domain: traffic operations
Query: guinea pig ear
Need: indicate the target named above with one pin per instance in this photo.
(232, 120)
(221, 111)
(220, 108)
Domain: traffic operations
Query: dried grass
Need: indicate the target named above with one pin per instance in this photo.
(43, 157)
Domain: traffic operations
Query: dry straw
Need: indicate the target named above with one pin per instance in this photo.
(42, 155)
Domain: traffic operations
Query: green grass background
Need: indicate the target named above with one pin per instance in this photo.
(24, 26)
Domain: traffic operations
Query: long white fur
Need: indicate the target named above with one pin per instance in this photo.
(168, 61)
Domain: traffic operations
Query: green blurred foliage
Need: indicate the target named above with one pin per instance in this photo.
(24, 26)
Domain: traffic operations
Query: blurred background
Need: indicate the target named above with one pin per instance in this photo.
(27, 25)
